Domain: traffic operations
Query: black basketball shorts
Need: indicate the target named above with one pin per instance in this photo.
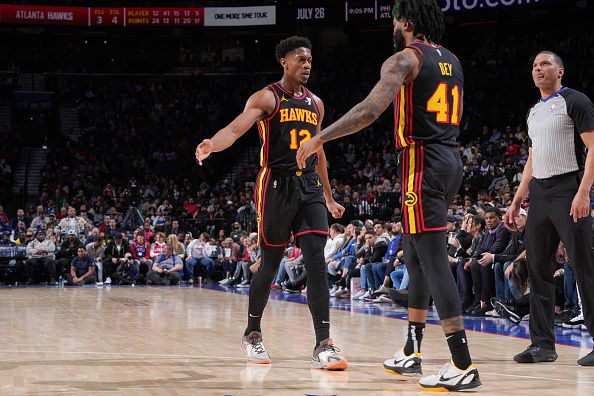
(289, 203)
(431, 175)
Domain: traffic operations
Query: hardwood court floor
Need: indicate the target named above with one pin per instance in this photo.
(185, 341)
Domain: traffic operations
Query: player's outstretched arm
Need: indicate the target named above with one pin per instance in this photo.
(399, 68)
(258, 105)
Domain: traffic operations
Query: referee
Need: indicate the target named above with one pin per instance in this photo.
(558, 176)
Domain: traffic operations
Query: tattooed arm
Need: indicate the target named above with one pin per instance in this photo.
(396, 70)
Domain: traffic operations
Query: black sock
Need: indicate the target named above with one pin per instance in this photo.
(253, 324)
(414, 338)
(459, 349)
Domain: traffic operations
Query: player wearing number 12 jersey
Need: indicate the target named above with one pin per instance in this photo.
(425, 82)
(288, 199)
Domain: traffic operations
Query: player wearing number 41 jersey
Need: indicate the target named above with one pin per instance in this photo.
(288, 199)
(425, 83)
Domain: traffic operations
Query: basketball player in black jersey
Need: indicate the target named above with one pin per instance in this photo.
(425, 82)
(289, 199)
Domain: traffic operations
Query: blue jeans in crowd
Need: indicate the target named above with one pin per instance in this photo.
(504, 287)
(379, 271)
(204, 262)
(364, 282)
(400, 277)
(281, 274)
(348, 262)
(569, 289)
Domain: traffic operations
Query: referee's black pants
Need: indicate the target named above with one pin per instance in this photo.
(549, 221)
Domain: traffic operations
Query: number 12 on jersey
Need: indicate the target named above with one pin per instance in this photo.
(439, 103)
(304, 134)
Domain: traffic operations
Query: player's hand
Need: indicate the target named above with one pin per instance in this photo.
(306, 149)
(336, 209)
(580, 207)
(511, 216)
(203, 150)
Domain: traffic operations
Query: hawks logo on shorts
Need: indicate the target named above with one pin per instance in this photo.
(411, 198)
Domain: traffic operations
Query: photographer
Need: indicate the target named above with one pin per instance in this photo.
(127, 272)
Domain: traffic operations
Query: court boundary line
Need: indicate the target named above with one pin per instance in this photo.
(216, 288)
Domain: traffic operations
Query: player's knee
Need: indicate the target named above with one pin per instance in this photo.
(312, 246)
(270, 260)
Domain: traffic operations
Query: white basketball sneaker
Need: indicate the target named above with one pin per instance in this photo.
(451, 378)
(325, 356)
(254, 348)
(404, 365)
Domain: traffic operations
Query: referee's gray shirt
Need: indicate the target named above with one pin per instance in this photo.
(554, 128)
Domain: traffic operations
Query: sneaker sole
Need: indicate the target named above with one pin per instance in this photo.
(572, 326)
(404, 373)
(451, 388)
(586, 361)
(548, 359)
(336, 366)
(259, 361)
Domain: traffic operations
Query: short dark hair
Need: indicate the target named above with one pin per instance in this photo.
(425, 15)
(555, 56)
(290, 44)
(493, 210)
(372, 233)
(380, 223)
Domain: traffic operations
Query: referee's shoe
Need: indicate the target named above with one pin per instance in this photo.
(587, 360)
(536, 354)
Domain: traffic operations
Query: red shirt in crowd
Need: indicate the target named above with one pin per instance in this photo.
(513, 149)
(191, 207)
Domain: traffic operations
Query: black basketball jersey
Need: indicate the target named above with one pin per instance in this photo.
(428, 108)
(293, 121)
